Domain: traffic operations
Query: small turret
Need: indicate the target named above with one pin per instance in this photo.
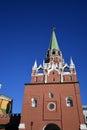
(35, 65)
(34, 68)
(72, 66)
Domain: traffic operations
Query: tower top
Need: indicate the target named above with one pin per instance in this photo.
(53, 41)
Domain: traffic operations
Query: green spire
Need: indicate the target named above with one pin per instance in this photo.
(53, 42)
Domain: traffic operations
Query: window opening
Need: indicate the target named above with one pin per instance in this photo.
(63, 78)
(69, 102)
(51, 95)
(70, 77)
(53, 72)
(34, 102)
(51, 106)
(53, 79)
(53, 52)
(40, 71)
(66, 69)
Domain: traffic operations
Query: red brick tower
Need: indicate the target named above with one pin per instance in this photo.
(52, 99)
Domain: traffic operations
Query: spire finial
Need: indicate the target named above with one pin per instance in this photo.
(71, 61)
(35, 64)
(53, 28)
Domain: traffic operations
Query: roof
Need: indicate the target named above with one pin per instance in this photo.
(5, 104)
(53, 42)
(5, 98)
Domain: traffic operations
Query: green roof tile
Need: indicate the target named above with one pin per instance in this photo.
(53, 42)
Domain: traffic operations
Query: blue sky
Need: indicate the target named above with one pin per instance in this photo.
(25, 32)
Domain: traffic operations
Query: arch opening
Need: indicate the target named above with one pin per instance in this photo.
(52, 126)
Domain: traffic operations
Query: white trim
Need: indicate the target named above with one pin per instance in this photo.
(53, 104)
(21, 126)
(44, 127)
(83, 127)
(61, 77)
(45, 78)
(5, 98)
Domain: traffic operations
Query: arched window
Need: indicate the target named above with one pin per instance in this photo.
(69, 102)
(40, 71)
(51, 95)
(66, 69)
(53, 52)
(34, 102)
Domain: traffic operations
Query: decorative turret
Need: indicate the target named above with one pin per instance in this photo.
(54, 69)
(35, 65)
(53, 53)
(34, 68)
(72, 66)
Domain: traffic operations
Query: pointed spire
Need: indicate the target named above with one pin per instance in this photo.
(71, 63)
(53, 42)
(35, 64)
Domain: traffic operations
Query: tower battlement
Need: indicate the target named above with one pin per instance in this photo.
(5, 116)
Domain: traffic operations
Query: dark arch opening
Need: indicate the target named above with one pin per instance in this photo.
(66, 69)
(51, 127)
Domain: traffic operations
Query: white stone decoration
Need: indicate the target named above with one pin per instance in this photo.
(21, 126)
(83, 127)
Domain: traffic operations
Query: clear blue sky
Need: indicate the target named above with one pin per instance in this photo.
(25, 31)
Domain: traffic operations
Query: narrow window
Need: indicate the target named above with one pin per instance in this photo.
(69, 102)
(59, 53)
(36, 79)
(63, 78)
(43, 78)
(53, 72)
(70, 77)
(51, 95)
(53, 52)
(86, 119)
(53, 79)
(34, 102)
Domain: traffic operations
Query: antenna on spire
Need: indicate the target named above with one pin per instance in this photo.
(53, 28)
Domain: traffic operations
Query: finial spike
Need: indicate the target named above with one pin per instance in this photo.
(71, 61)
(35, 64)
(53, 28)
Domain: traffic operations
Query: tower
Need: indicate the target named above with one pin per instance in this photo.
(52, 99)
